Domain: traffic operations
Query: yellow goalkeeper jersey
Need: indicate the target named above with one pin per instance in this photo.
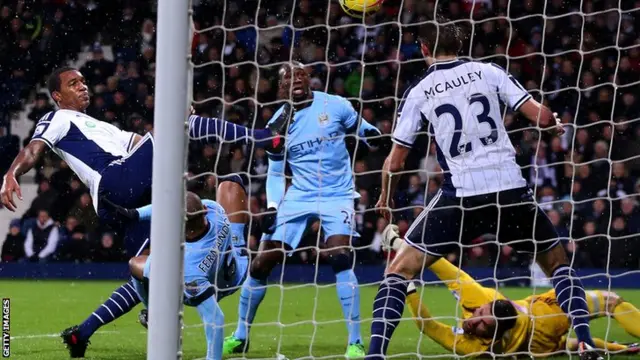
(540, 327)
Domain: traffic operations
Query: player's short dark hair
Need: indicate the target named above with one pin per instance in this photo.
(506, 316)
(441, 36)
(53, 82)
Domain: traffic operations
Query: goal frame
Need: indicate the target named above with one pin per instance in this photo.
(168, 197)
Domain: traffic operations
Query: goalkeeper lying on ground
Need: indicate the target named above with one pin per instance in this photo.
(535, 324)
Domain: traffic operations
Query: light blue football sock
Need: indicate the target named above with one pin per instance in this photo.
(251, 295)
(349, 295)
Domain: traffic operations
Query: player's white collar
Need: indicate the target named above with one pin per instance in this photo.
(442, 62)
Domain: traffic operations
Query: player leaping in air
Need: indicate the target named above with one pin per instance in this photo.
(322, 188)
(483, 190)
(113, 164)
(535, 325)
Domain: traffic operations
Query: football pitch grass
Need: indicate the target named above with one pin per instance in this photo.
(284, 323)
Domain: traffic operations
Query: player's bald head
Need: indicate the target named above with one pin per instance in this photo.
(195, 212)
(287, 69)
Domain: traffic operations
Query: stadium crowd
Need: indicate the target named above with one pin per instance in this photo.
(583, 62)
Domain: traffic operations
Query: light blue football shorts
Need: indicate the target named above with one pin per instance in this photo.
(293, 218)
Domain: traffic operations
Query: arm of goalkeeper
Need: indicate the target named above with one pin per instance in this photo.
(449, 337)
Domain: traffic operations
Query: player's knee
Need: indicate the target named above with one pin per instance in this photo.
(408, 262)
(340, 260)
(136, 267)
(262, 265)
(228, 182)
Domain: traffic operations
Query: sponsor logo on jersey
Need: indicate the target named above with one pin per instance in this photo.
(309, 146)
(457, 330)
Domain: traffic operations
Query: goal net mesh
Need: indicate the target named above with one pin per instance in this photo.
(580, 58)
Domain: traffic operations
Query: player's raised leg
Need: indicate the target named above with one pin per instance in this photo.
(232, 196)
(213, 130)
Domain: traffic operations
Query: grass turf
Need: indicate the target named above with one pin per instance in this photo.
(284, 323)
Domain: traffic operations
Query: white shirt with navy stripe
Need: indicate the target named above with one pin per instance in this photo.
(86, 144)
(460, 101)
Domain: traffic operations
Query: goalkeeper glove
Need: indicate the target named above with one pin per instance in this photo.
(268, 221)
(128, 214)
(391, 238)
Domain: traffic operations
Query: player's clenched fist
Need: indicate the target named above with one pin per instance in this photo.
(9, 186)
(559, 128)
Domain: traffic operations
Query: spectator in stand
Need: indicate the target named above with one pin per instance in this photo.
(85, 213)
(9, 148)
(42, 239)
(13, 246)
(44, 201)
(108, 251)
(40, 108)
(78, 249)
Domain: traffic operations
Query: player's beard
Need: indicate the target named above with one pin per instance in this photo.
(299, 98)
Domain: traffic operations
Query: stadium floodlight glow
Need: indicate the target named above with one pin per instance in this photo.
(168, 198)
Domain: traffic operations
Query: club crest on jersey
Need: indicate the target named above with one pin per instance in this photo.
(323, 119)
(39, 129)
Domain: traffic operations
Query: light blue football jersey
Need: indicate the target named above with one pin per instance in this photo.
(211, 259)
(316, 152)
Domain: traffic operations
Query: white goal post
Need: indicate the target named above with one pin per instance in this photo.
(168, 197)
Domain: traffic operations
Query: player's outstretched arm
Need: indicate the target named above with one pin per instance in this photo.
(276, 187)
(541, 116)
(213, 320)
(25, 161)
(370, 134)
(443, 334)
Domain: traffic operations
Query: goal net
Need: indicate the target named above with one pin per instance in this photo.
(580, 58)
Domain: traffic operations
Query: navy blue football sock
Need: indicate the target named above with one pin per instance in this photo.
(571, 297)
(387, 311)
(212, 129)
(121, 301)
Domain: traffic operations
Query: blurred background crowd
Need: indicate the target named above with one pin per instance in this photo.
(583, 62)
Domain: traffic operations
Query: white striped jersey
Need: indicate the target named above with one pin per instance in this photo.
(460, 101)
(86, 144)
